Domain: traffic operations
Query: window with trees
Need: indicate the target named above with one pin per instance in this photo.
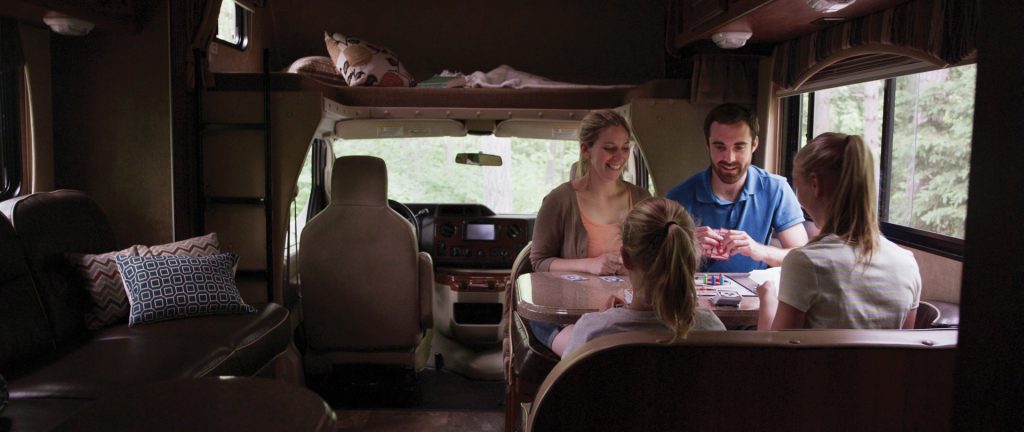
(233, 25)
(919, 127)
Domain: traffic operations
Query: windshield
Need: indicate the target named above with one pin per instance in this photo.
(423, 170)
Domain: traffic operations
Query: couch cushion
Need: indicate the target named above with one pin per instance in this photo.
(101, 278)
(170, 287)
(49, 225)
(120, 357)
(24, 332)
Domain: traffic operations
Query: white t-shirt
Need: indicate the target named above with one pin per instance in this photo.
(618, 320)
(824, 281)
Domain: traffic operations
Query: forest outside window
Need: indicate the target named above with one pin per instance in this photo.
(233, 25)
(919, 127)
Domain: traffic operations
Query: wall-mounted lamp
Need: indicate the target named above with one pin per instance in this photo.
(67, 25)
(731, 39)
(829, 6)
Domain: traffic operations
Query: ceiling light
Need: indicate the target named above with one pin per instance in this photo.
(829, 6)
(731, 39)
(66, 25)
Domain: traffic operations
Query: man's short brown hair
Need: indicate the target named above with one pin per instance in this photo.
(730, 113)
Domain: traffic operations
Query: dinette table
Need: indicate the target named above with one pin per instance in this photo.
(550, 297)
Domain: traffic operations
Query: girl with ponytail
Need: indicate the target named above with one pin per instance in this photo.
(659, 251)
(849, 275)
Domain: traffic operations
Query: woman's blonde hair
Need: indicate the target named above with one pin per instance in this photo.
(590, 128)
(657, 238)
(852, 209)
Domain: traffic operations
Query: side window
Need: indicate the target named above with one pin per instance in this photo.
(919, 127)
(233, 25)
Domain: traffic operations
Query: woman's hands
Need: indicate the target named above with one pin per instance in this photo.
(609, 263)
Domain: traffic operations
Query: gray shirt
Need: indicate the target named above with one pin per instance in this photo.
(618, 320)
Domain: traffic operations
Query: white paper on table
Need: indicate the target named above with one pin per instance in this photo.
(769, 274)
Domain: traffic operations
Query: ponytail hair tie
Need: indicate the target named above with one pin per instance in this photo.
(669, 224)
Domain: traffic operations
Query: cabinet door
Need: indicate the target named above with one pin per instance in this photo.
(697, 12)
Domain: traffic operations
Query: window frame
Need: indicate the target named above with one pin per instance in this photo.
(934, 243)
(243, 21)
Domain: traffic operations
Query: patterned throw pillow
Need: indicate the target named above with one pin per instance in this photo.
(319, 68)
(102, 279)
(364, 64)
(163, 288)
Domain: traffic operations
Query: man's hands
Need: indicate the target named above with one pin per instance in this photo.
(608, 263)
(722, 244)
(739, 242)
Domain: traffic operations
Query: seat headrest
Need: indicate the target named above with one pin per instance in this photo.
(359, 180)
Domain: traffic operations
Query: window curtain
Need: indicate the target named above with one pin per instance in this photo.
(720, 78)
(202, 25)
(323, 163)
(940, 32)
(12, 62)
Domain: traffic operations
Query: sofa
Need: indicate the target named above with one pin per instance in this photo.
(55, 365)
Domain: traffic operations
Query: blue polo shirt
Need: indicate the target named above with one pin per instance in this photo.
(765, 206)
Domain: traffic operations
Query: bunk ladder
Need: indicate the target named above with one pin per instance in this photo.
(207, 201)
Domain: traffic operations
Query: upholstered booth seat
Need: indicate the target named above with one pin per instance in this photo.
(780, 380)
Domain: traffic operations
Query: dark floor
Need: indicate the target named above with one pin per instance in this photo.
(372, 398)
(420, 421)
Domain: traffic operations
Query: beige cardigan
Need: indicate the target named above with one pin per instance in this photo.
(559, 232)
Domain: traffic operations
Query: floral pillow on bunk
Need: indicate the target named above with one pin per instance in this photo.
(365, 64)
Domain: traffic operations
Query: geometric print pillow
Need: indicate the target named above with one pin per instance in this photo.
(163, 288)
(102, 279)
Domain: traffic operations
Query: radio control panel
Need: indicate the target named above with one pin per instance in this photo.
(492, 241)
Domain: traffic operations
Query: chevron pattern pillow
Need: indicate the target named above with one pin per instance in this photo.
(102, 279)
(163, 288)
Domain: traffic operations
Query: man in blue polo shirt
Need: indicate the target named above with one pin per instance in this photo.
(737, 206)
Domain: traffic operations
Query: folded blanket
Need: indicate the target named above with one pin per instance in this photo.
(506, 76)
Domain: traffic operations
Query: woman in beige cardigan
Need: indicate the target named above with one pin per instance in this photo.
(579, 224)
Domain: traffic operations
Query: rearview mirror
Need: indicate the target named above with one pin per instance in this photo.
(478, 159)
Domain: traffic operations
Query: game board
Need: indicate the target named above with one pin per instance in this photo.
(709, 283)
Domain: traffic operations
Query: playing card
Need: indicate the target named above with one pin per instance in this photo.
(574, 278)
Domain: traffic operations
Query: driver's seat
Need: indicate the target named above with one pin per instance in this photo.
(367, 290)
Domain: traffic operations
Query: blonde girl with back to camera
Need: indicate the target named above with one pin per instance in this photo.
(659, 251)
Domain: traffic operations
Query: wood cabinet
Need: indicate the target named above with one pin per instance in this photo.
(115, 16)
(697, 12)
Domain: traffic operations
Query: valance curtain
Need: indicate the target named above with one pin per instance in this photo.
(202, 25)
(719, 78)
(940, 32)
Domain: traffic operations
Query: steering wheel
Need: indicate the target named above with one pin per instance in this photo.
(407, 213)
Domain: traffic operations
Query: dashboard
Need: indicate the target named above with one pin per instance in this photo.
(471, 235)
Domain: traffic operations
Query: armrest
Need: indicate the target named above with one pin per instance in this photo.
(426, 290)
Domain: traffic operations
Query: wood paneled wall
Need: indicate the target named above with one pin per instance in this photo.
(112, 126)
